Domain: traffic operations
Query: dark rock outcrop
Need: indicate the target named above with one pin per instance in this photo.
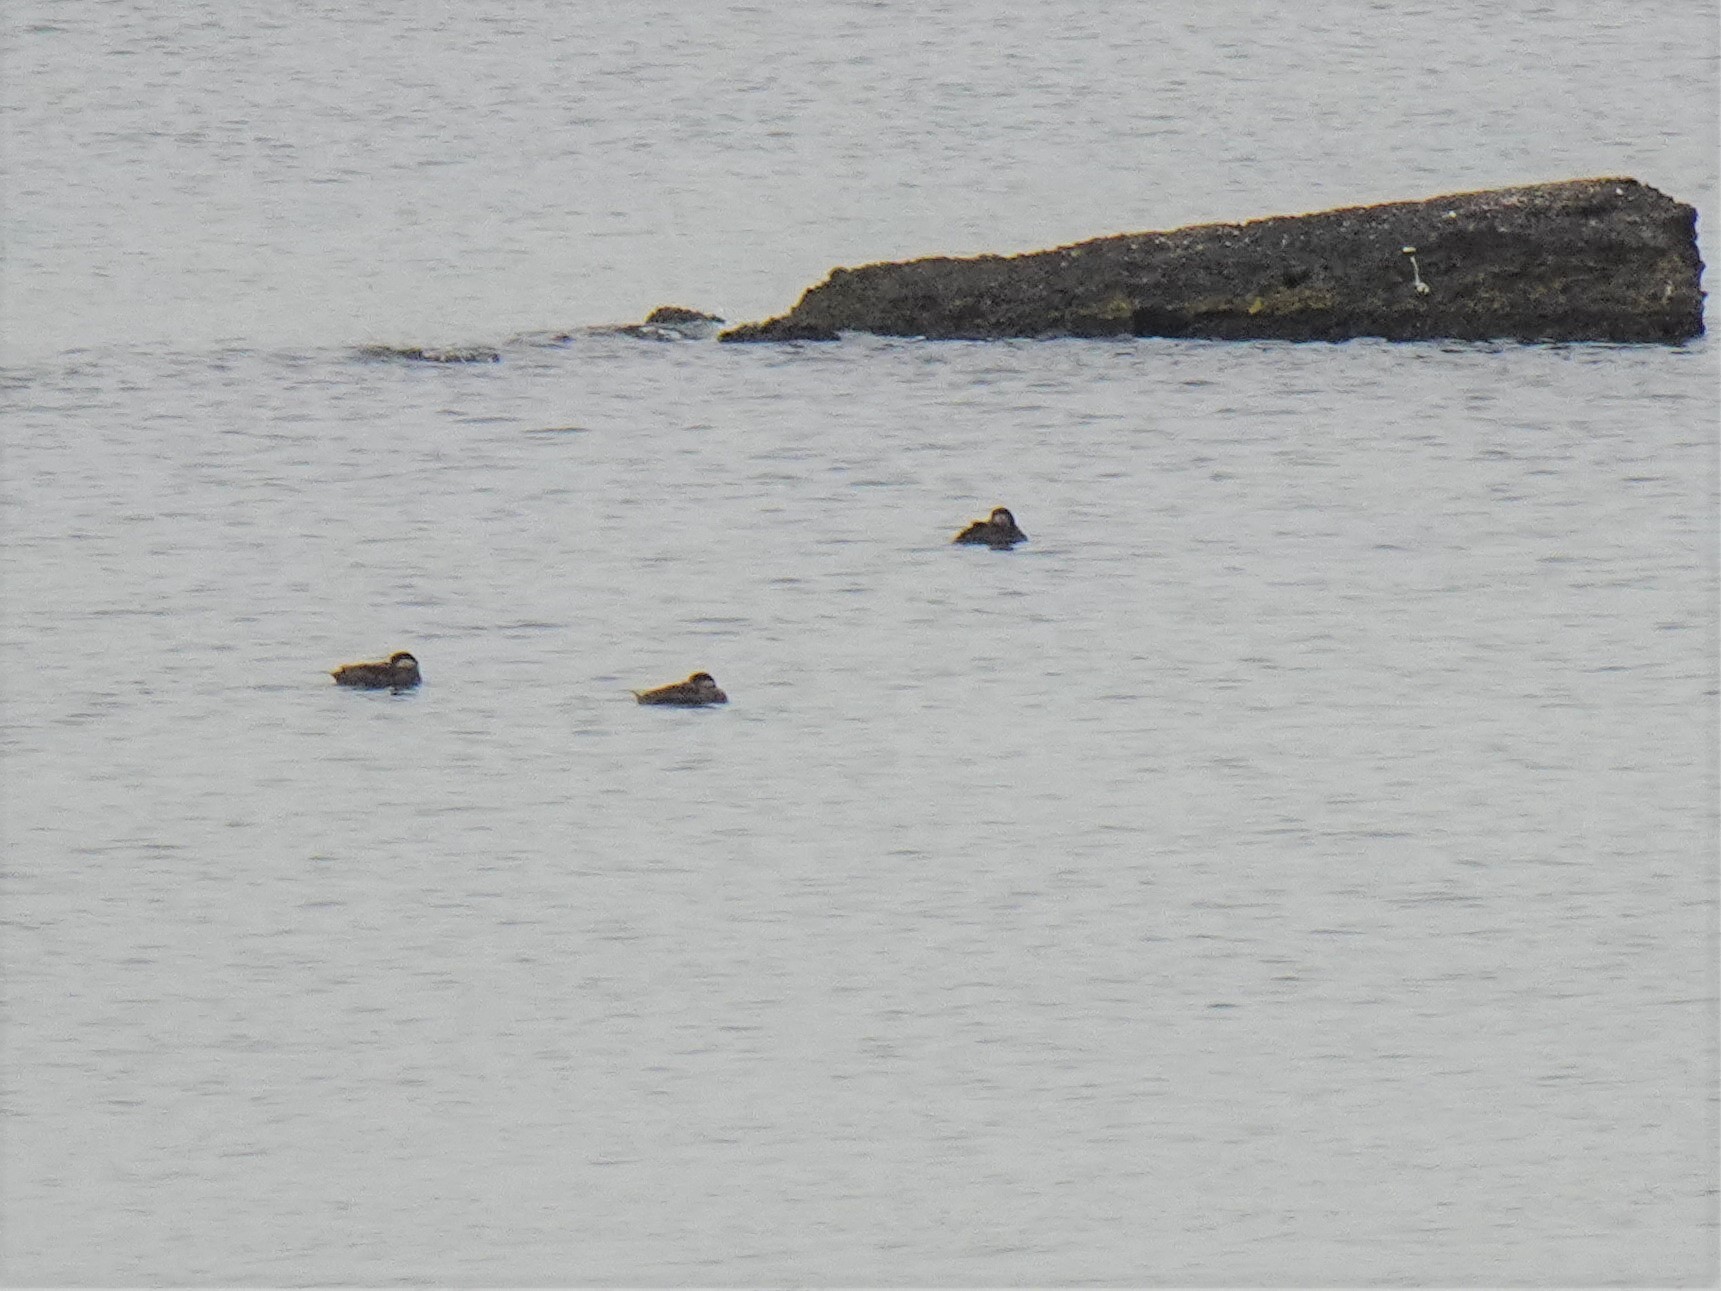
(1582, 260)
(677, 316)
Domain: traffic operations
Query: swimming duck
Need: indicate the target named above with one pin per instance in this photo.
(696, 690)
(398, 672)
(998, 531)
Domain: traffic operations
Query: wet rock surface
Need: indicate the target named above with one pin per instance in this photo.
(431, 354)
(665, 323)
(669, 323)
(1579, 260)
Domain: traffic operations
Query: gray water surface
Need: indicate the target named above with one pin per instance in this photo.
(1295, 865)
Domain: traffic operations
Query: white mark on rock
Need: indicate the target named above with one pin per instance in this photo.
(1422, 288)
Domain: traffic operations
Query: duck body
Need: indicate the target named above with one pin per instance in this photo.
(697, 691)
(398, 672)
(998, 531)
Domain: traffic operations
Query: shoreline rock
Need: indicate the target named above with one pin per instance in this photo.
(1578, 260)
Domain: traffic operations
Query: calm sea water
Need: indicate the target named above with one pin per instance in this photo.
(1294, 866)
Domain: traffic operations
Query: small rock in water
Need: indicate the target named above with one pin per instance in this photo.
(421, 354)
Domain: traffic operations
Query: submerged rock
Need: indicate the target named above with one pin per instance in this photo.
(420, 354)
(665, 323)
(1581, 260)
(673, 323)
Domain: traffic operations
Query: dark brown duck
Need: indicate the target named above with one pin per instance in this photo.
(998, 531)
(697, 690)
(398, 672)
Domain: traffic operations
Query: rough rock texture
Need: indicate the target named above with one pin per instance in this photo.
(1582, 260)
(672, 315)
